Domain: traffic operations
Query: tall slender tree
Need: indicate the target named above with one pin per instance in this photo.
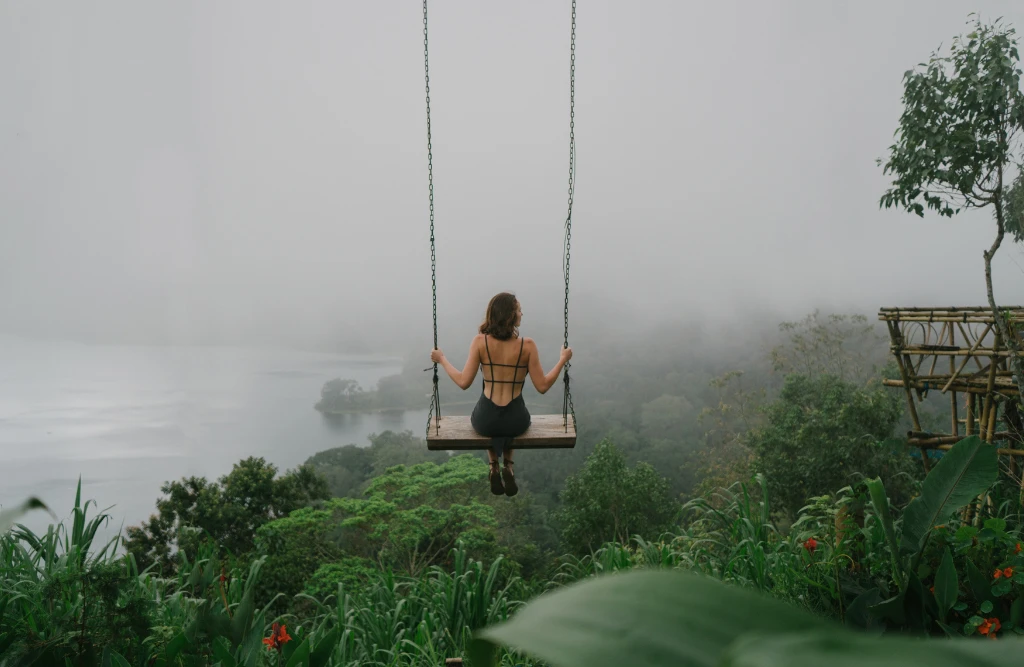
(958, 145)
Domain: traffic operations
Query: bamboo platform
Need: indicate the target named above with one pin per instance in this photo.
(957, 351)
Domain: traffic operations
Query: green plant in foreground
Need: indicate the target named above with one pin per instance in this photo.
(673, 618)
(966, 471)
(660, 618)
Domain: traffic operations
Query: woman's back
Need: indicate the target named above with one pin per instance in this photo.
(504, 366)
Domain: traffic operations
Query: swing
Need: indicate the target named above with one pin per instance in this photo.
(545, 431)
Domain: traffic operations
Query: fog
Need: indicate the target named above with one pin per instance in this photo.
(255, 172)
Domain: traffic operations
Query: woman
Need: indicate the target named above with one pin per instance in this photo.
(506, 360)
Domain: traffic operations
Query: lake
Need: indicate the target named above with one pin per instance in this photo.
(128, 418)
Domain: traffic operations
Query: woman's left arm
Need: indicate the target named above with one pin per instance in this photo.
(465, 377)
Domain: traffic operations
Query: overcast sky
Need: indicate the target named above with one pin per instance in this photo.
(256, 171)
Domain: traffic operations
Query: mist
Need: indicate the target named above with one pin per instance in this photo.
(256, 172)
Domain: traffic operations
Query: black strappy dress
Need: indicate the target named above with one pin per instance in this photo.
(501, 423)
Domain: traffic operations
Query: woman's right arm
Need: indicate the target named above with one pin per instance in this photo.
(543, 381)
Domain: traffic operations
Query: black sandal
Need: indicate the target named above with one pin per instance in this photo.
(511, 488)
(496, 486)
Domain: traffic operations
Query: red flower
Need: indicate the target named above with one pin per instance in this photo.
(278, 637)
(998, 574)
(990, 627)
(1008, 572)
(1017, 548)
(811, 544)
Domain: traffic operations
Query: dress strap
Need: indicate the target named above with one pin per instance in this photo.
(490, 361)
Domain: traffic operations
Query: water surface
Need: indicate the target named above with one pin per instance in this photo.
(128, 418)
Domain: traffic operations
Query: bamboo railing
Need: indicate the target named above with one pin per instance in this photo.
(958, 351)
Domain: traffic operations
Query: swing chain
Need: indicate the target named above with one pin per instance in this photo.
(435, 400)
(567, 406)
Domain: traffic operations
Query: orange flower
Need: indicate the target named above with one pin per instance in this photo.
(1008, 572)
(278, 637)
(1016, 550)
(998, 574)
(990, 627)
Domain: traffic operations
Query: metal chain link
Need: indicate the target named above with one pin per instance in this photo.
(435, 401)
(567, 406)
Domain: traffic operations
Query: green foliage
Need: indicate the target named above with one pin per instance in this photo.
(607, 501)
(227, 512)
(821, 432)
(351, 573)
(956, 134)
(847, 347)
(410, 520)
(966, 471)
(60, 600)
(1015, 207)
(348, 469)
(671, 618)
(293, 548)
(413, 515)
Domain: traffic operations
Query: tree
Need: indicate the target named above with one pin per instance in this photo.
(957, 144)
(606, 501)
(414, 515)
(348, 469)
(845, 346)
(226, 512)
(410, 519)
(820, 433)
(340, 395)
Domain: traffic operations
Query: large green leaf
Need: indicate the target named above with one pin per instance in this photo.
(301, 655)
(946, 585)
(849, 649)
(881, 503)
(968, 469)
(641, 618)
(322, 653)
(981, 585)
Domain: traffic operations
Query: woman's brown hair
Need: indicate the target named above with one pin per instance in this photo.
(500, 317)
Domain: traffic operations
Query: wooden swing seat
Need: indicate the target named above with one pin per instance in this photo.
(545, 432)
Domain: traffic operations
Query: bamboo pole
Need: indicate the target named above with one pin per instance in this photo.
(981, 352)
(1005, 389)
(942, 309)
(906, 381)
(967, 357)
(970, 413)
(977, 344)
(935, 441)
(992, 421)
(972, 320)
(989, 397)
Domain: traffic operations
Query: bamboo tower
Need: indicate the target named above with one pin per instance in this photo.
(958, 351)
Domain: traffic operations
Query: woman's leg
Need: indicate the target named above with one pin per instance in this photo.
(493, 454)
(520, 422)
(511, 488)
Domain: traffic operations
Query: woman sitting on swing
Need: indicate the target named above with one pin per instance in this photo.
(501, 414)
